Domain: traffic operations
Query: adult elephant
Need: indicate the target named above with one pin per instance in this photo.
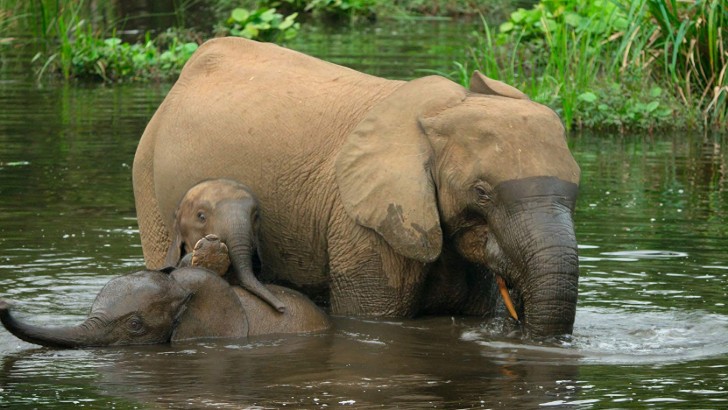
(389, 198)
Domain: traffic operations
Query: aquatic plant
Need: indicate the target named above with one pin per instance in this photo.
(263, 24)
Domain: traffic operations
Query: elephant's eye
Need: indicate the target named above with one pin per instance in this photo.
(201, 216)
(136, 324)
(483, 194)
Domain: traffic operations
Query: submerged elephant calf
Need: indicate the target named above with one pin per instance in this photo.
(152, 307)
(228, 210)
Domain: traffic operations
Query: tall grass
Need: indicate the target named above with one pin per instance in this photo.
(52, 24)
(686, 45)
(642, 64)
(554, 70)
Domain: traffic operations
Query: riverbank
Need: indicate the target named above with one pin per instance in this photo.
(631, 65)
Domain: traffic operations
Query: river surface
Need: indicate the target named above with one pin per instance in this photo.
(651, 327)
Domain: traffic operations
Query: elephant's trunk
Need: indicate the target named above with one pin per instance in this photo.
(541, 259)
(82, 335)
(549, 282)
(549, 296)
(241, 255)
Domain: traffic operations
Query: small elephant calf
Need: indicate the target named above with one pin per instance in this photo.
(229, 210)
(186, 303)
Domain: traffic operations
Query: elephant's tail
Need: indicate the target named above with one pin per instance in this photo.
(153, 233)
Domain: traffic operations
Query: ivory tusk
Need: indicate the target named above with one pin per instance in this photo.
(506, 297)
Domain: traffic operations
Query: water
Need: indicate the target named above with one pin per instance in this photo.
(651, 324)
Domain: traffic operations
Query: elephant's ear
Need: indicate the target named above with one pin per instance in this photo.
(214, 311)
(484, 85)
(383, 169)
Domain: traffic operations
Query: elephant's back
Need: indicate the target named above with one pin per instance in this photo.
(301, 315)
(258, 113)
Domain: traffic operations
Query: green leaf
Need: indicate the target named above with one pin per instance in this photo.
(288, 22)
(506, 27)
(249, 31)
(588, 96)
(652, 106)
(655, 92)
(111, 42)
(518, 15)
(240, 15)
(268, 15)
(572, 19)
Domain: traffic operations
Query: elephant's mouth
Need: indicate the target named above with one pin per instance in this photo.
(503, 289)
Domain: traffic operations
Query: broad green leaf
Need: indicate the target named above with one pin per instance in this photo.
(572, 19)
(518, 15)
(268, 15)
(588, 96)
(652, 106)
(506, 27)
(240, 15)
(288, 22)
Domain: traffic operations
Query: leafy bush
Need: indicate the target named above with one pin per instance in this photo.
(633, 65)
(599, 17)
(609, 107)
(262, 24)
(111, 59)
(336, 10)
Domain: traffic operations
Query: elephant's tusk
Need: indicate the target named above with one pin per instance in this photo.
(506, 297)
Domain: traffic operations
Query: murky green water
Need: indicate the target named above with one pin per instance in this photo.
(651, 327)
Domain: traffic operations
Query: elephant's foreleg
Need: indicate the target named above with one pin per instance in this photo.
(369, 279)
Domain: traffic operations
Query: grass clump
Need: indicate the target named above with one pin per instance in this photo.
(640, 64)
(110, 59)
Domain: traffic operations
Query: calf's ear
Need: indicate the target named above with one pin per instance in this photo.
(214, 310)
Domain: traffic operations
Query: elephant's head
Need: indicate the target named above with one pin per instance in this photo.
(229, 210)
(139, 308)
(484, 171)
(147, 307)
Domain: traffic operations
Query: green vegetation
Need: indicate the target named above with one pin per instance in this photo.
(263, 24)
(639, 64)
(623, 64)
(113, 60)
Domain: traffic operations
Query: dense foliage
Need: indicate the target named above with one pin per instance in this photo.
(625, 64)
(641, 64)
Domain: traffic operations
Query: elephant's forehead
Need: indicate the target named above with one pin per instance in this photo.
(218, 189)
(515, 139)
(139, 292)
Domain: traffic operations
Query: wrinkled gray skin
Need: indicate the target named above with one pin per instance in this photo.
(227, 209)
(388, 198)
(153, 307)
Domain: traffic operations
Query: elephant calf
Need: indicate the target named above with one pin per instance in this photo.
(228, 210)
(151, 307)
